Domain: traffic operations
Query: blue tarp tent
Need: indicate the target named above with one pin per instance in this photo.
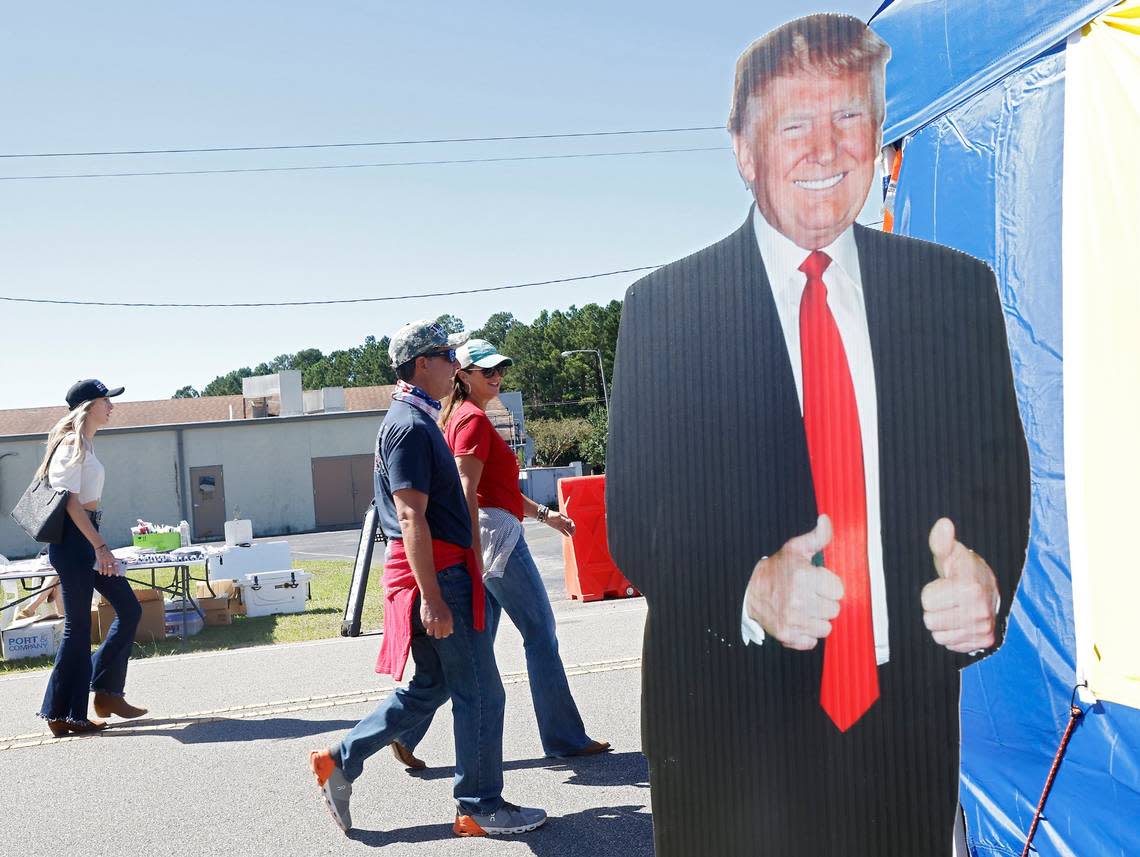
(976, 91)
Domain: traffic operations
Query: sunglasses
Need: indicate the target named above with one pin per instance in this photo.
(449, 353)
(493, 371)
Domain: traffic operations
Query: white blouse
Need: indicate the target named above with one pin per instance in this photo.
(82, 478)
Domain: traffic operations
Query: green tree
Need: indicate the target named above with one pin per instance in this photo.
(593, 446)
(301, 361)
(495, 329)
(557, 441)
(450, 323)
(545, 378)
(332, 370)
(186, 392)
(228, 384)
(371, 364)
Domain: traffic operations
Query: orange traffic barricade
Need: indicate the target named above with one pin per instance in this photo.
(590, 570)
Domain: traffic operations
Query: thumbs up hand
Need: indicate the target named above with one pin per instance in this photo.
(793, 600)
(960, 607)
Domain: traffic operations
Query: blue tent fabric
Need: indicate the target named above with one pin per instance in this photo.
(984, 175)
(944, 51)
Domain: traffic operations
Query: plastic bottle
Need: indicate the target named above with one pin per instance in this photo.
(184, 529)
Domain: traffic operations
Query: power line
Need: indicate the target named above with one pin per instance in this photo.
(496, 139)
(328, 302)
(362, 166)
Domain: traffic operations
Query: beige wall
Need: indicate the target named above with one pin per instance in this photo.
(266, 468)
(18, 461)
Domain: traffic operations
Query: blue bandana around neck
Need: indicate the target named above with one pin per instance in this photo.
(412, 395)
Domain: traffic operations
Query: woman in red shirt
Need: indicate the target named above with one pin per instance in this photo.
(489, 472)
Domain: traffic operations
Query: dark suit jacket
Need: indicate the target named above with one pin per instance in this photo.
(707, 471)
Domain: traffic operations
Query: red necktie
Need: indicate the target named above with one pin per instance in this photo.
(850, 682)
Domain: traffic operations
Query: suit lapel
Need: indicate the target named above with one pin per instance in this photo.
(771, 354)
(782, 444)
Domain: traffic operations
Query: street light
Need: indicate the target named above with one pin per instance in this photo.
(601, 370)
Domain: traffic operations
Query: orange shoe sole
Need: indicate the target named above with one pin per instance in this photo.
(322, 765)
(465, 825)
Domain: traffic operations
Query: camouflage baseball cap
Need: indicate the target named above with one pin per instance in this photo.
(418, 337)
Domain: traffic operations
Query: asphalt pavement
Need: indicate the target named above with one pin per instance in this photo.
(220, 765)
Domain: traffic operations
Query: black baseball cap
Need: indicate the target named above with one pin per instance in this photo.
(89, 390)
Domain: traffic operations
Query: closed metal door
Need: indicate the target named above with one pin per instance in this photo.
(342, 489)
(363, 485)
(207, 492)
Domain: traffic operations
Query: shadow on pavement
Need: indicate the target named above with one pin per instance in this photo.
(609, 769)
(189, 730)
(617, 831)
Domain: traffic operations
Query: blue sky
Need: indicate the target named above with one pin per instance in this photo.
(135, 75)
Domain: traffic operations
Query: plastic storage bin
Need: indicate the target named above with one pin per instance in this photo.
(269, 592)
(158, 541)
(174, 617)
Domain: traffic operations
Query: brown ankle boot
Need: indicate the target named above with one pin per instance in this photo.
(107, 704)
(86, 726)
(59, 728)
(407, 757)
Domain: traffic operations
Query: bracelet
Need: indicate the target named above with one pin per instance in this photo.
(102, 547)
(541, 514)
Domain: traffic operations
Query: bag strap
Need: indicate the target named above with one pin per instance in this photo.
(51, 454)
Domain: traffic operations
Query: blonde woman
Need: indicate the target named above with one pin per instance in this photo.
(85, 565)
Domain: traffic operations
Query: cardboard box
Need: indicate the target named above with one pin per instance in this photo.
(216, 610)
(96, 636)
(219, 617)
(31, 638)
(145, 595)
(152, 625)
(228, 589)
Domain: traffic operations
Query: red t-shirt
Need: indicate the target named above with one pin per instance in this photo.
(469, 432)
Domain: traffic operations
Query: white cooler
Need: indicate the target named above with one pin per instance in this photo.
(269, 592)
(234, 563)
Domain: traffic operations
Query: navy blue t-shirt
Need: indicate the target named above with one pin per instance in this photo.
(411, 453)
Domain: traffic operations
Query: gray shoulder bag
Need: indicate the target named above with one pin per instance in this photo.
(42, 510)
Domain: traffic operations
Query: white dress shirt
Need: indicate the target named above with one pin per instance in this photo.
(844, 282)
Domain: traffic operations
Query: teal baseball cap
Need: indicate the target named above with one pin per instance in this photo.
(482, 354)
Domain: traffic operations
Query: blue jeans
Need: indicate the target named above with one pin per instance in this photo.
(77, 671)
(521, 594)
(462, 667)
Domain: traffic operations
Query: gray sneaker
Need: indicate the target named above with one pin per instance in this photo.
(335, 787)
(507, 819)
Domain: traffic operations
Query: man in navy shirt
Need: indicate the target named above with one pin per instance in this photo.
(434, 603)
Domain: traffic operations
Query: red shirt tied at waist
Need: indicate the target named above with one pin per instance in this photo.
(400, 591)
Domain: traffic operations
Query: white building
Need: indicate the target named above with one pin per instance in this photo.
(304, 462)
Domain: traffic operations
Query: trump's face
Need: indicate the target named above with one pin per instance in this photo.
(808, 154)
